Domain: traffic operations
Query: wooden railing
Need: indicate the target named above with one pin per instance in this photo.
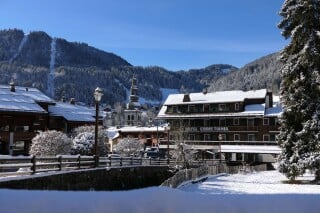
(202, 172)
(28, 165)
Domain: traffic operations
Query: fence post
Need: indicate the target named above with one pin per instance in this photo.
(33, 161)
(140, 160)
(131, 161)
(96, 160)
(79, 161)
(121, 161)
(60, 162)
(109, 161)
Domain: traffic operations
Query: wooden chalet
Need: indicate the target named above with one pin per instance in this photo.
(24, 111)
(230, 125)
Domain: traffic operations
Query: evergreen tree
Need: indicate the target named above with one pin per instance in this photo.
(300, 91)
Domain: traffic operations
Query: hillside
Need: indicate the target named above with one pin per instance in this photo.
(261, 73)
(73, 70)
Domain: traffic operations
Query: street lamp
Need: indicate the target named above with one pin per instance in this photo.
(167, 129)
(220, 137)
(97, 97)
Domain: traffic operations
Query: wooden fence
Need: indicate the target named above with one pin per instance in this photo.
(198, 174)
(24, 165)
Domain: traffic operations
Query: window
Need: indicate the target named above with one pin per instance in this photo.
(21, 128)
(266, 121)
(222, 122)
(222, 137)
(236, 121)
(236, 137)
(266, 137)
(191, 137)
(222, 107)
(4, 128)
(236, 106)
(174, 109)
(191, 108)
(251, 137)
(250, 122)
(206, 137)
(206, 107)
(206, 122)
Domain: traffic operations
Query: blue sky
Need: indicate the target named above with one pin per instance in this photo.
(174, 34)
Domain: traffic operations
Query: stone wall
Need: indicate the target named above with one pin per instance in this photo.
(93, 179)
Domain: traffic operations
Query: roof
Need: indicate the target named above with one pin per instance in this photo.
(141, 129)
(263, 149)
(30, 92)
(72, 112)
(22, 100)
(217, 97)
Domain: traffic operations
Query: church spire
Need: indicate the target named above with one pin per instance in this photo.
(134, 98)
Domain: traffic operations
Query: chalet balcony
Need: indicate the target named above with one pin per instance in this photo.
(216, 143)
(18, 136)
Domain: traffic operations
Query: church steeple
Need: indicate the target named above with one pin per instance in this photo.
(134, 98)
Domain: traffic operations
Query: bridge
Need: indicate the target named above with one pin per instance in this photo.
(67, 172)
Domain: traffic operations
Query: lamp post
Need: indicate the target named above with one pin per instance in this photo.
(220, 137)
(97, 97)
(167, 129)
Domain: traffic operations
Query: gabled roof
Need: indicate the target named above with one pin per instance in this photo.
(216, 97)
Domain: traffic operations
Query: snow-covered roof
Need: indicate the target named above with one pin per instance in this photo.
(30, 92)
(217, 97)
(273, 112)
(22, 100)
(250, 110)
(266, 149)
(141, 129)
(72, 112)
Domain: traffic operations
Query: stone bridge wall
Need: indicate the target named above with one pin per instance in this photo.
(123, 178)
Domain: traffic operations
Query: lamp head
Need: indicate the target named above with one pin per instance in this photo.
(98, 94)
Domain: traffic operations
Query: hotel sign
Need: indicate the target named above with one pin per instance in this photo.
(207, 129)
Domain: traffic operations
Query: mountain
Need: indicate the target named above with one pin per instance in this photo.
(261, 73)
(73, 70)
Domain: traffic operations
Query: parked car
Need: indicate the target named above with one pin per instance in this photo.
(151, 154)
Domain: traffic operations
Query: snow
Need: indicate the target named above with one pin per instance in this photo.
(33, 93)
(72, 112)
(266, 149)
(21, 100)
(217, 97)
(258, 192)
(51, 74)
(267, 182)
(23, 41)
(254, 109)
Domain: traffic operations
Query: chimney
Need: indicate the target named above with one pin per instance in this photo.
(205, 91)
(186, 98)
(12, 87)
(72, 101)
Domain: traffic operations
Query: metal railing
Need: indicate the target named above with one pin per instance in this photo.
(28, 165)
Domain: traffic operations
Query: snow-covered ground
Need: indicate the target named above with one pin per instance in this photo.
(269, 182)
(257, 192)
